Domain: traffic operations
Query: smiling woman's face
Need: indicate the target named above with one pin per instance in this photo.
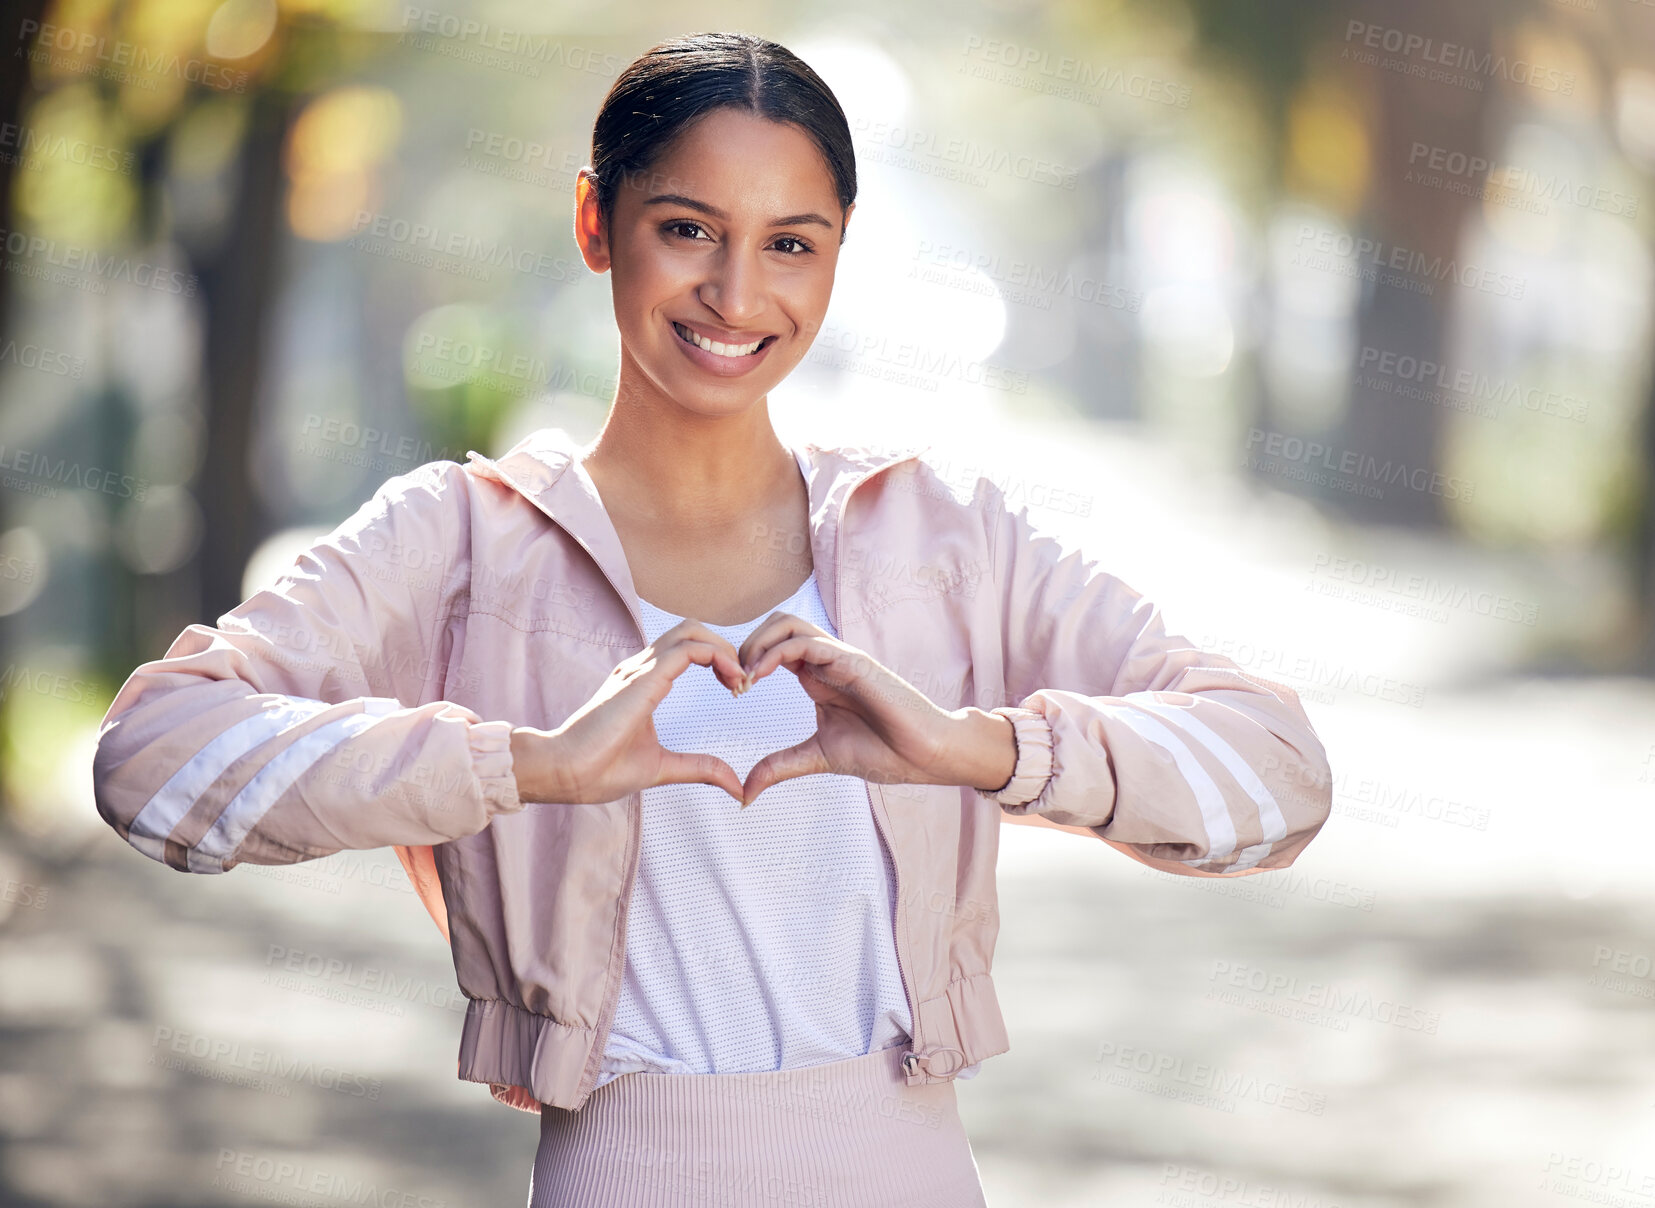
(731, 236)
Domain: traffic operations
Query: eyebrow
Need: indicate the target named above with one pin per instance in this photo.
(692, 203)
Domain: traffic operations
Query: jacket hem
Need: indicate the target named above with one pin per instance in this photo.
(968, 1007)
(523, 1056)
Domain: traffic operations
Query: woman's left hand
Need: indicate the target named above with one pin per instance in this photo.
(870, 722)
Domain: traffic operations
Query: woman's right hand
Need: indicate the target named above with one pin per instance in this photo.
(608, 748)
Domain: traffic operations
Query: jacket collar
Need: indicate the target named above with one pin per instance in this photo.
(544, 467)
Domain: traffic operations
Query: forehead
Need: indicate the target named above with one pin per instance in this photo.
(740, 162)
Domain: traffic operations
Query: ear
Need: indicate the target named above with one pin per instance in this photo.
(844, 223)
(590, 234)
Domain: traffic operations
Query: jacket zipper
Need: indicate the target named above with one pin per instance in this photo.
(635, 813)
(635, 836)
(635, 839)
(898, 930)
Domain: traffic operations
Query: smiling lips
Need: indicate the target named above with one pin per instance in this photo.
(718, 349)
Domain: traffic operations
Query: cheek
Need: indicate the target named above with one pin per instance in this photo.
(642, 275)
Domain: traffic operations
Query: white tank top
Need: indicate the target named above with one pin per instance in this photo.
(757, 939)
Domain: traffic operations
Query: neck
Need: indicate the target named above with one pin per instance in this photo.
(670, 466)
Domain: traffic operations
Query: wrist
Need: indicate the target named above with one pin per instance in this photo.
(986, 750)
(534, 758)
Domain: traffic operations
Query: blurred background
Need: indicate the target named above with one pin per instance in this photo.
(1325, 325)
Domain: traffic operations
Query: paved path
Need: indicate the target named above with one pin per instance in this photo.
(1348, 1040)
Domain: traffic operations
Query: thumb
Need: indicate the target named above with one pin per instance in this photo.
(691, 767)
(801, 759)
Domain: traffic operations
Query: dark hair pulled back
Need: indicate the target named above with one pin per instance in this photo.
(678, 81)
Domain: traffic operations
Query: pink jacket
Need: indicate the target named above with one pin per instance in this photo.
(367, 700)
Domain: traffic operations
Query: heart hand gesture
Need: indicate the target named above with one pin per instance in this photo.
(870, 722)
(608, 747)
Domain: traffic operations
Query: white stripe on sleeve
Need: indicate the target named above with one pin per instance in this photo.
(1221, 835)
(1271, 823)
(162, 813)
(275, 778)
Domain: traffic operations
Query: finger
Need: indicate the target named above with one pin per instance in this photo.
(676, 657)
(691, 767)
(777, 627)
(802, 759)
(807, 648)
(692, 628)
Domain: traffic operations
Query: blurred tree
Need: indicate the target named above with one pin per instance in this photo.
(237, 287)
(16, 92)
(1275, 44)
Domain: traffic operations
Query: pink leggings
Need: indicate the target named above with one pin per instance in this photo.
(848, 1134)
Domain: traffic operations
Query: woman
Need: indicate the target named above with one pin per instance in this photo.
(488, 667)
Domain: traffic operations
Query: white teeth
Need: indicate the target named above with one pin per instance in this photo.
(713, 346)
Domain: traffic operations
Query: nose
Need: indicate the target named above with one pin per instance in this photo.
(734, 287)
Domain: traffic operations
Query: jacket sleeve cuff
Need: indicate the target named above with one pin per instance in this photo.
(1033, 769)
(491, 760)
